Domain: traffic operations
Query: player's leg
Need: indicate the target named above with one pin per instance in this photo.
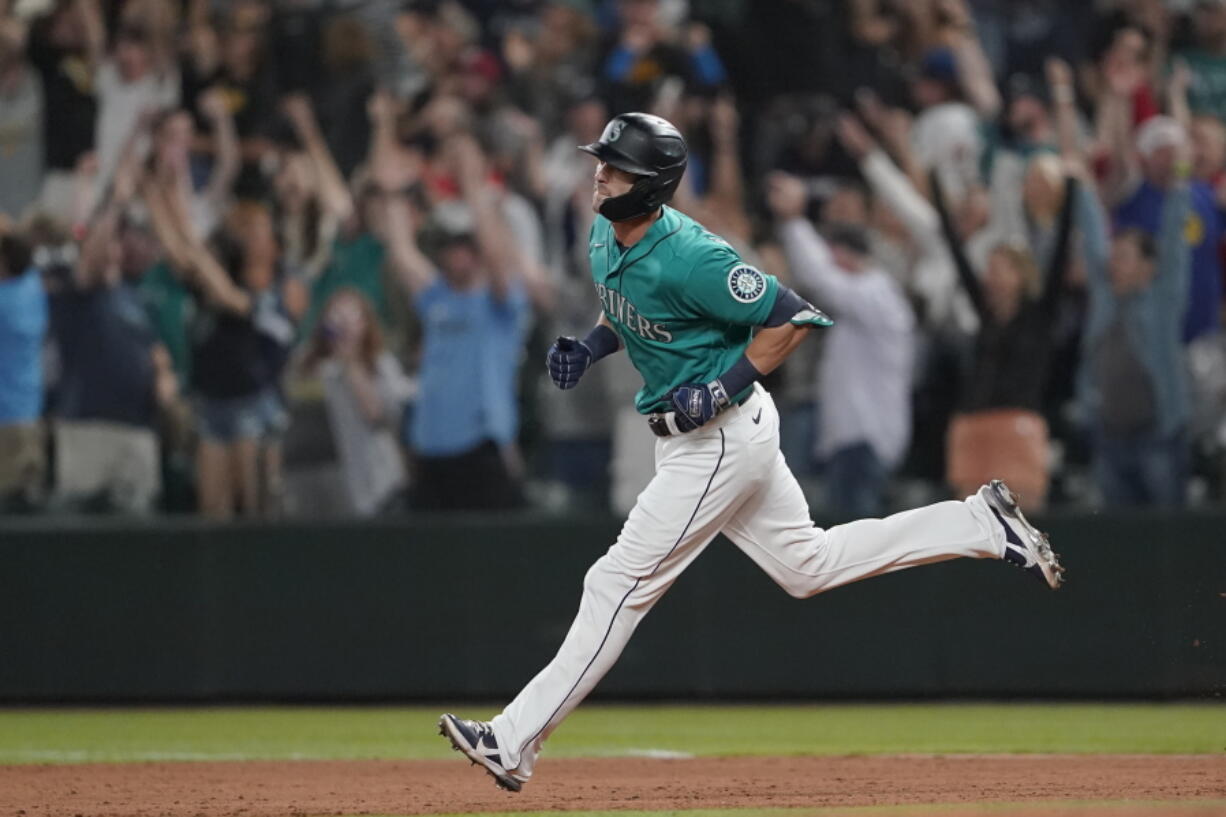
(699, 480)
(774, 529)
(685, 504)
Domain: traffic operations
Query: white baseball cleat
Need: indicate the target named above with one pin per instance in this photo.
(476, 740)
(1025, 545)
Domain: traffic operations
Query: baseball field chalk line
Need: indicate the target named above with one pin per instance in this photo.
(70, 756)
(656, 754)
(78, 756)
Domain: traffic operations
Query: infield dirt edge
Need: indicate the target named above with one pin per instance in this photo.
(436, 787)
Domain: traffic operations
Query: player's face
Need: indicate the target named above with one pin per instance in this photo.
(609, 182)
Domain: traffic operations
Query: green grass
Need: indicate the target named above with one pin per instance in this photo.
(239, 733)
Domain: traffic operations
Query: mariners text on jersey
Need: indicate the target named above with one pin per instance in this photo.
(619, 308)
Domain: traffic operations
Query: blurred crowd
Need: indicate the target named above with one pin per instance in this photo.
(304, 257)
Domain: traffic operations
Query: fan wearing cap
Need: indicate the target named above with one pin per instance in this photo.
(473, 299)
(1162, 145)
(701, 326)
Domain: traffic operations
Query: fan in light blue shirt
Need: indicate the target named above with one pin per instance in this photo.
(23, 325)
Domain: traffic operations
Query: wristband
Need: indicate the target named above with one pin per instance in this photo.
(601, 341)
(740, 376)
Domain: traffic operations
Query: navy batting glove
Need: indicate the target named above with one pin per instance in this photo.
(567, 360)
(695, 404)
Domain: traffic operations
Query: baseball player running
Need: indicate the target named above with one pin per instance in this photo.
(702, 327)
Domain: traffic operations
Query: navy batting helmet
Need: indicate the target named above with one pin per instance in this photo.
(650, 148)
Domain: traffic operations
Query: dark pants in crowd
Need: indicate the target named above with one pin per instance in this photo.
(1141, 469)
(856, 482)
(582, 465)
(477, 480)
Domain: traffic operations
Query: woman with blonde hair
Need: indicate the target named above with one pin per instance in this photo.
(365, 391)
(999, 431)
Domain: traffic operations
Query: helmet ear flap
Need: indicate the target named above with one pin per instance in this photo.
(631, 204)
(648, 193)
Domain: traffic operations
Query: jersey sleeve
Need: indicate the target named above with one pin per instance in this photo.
(722, 286)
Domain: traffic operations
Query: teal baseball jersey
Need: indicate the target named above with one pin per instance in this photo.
(682, 300)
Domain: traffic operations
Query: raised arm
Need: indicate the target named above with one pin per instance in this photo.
(392, 172)
(174, 238)
(807, 252)
(1177, 87)
(809, 255)
(1064, 105)
(1123, 75)
(190, 256)
(888, 183)
(894, 128)
(414, 271)
(387, 163)
(504, 258)
(228, 159)
(1174, 262)
(726, 195)
(973, 67)
(499, 256)
(104, 227)
(966, 275)
(89, 12)
(1053, 278)
(334, 193)
(531, 156)
(216, 284)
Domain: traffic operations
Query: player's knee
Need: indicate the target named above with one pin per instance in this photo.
(602, 569)
(798, 589)
(590, 579)
(610, 574)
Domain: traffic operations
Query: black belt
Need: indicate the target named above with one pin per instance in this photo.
(659, 425)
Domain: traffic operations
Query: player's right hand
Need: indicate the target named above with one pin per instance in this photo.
(568, 358)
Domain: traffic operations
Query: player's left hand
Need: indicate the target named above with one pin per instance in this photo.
(695, 404)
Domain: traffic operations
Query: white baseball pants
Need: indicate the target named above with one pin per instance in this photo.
(728, 476)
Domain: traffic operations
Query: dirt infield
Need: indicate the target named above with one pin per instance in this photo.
(296, 788)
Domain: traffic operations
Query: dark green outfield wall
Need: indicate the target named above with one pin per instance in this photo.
(447, 609)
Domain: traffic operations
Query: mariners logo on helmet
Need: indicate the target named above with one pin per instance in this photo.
(615, 129)
(746, 284)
